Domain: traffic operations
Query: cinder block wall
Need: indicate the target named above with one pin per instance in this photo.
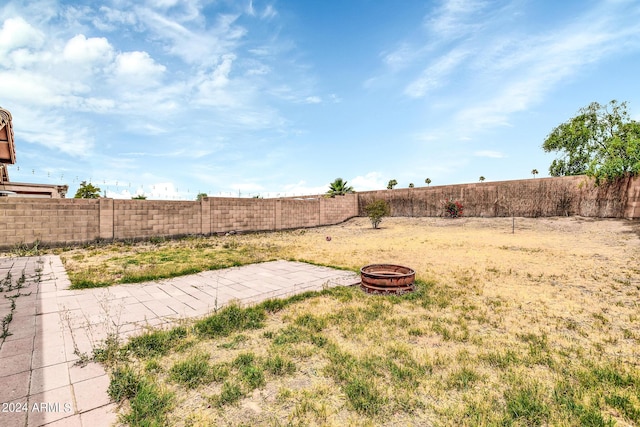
(572, 195)
(229, 214)
(60, 221)
(48, 220)
(298, 213)
(147, 218)
(335, 210)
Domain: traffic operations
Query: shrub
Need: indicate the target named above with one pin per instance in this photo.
(376, 210)
(453, 209)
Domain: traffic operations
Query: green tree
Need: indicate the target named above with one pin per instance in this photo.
(601, 141)
(411, 185)
(339, 187)
(87, 191)
(201, 196)
(482, 178)
(392, 183)
(139, 197)
(534, 172)
(427, 181)
(377, 210)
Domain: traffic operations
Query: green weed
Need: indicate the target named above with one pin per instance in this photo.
(525, 404)
(463, 378)
(278, 365)
(230, 394)
(230, 319)
(192, 372)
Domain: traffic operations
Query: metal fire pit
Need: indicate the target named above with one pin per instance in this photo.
(387, 279)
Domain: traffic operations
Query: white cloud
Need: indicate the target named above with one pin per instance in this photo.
(52, 132)
(539, 64)
(302, 188)
(36, 89)
(490, 154)
(110, 19)
(194, 44)
(82, 50)
(137, 68)
(164, 4)
(17, 33)
(269, 12)
(455, 18)
(98, 105)
(250, 10)
(370, 181)
(162, 191)
(313, 100)
(506, 72)
(220, 76)
(213, 89)
(401, 57)
(436, 74)
(246, 187)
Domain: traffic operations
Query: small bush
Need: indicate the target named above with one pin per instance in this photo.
(453, 209)
(377, 210)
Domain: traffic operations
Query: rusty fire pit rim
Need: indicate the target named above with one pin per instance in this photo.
(409, 272)
(398, 279)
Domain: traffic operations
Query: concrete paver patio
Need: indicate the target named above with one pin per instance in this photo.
(47, 327)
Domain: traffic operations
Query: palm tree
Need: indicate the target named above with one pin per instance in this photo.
(534, 172)
(427, 181)
(339, 188)
(482, 178)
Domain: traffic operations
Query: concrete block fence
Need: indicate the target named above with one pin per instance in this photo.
(62, 221)
(535, 197)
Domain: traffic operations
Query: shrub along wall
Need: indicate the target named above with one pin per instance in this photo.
(573, 195)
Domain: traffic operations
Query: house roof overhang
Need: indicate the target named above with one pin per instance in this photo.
(7, 147)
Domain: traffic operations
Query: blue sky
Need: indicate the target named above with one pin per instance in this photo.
(174, 97)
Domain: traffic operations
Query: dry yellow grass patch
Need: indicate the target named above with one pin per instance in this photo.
(540, 326)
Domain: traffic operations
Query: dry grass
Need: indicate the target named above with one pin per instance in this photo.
(537, 327)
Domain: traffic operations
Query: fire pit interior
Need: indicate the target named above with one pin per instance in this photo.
(387, 279)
